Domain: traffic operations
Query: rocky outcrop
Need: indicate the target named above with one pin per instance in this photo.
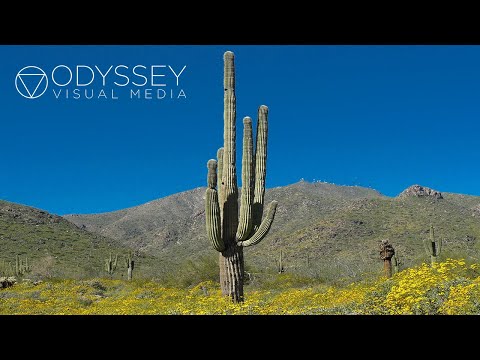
(6, 282)
(420, 191)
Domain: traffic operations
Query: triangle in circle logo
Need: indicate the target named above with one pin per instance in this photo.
(31, 82)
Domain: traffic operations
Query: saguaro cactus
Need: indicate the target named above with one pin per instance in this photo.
(386, 253)
(433, 247)
(111, 264)
(280, 267)
(21, 267)
(228, 231)
(130, 264)
(396, 264)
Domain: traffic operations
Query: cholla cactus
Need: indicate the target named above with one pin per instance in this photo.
(229, 228)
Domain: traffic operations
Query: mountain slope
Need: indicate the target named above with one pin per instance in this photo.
(56, 247)
(324, 230)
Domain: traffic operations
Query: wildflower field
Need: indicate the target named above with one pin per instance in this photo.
(450, 287)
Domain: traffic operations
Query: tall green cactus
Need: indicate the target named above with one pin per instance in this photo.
(130, 264)
(111, 264)
(433, 247)
(229, 228)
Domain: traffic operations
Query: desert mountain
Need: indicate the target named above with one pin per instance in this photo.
(327, 230)
(54, 246)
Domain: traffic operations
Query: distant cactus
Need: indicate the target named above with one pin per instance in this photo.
(21, 267)
(26, 266)
(433, 247)
(386, 253)
(396, 264)
(130, 264)
(280, 267)
(231, 227)
(111, 264)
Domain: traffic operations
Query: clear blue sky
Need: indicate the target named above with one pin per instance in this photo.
(384, 117)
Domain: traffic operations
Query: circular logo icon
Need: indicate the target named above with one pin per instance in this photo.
(31, 82)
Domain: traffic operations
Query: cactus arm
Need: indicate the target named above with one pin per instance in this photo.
(245, 222)
(263, 228)
(212, 214)
(439, 247)
(212, 209)
(229, 188)
(428, 246)
(212, 174)
(260, 166)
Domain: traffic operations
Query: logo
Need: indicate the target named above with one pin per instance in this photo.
(31, 82)
(103, 82)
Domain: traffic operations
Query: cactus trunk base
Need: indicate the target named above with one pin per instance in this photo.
(231, 273)
(387, 268)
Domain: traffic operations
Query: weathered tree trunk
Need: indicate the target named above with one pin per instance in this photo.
(231, 273)
(129, 273)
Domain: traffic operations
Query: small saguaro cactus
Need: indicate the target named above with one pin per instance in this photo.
(228, 231)
(17, 265)
(396, 264)
(130, 264)
(111, 264)
(26, 266)
(433, 247)
(280, 267)
(386, 253)
(21, 267)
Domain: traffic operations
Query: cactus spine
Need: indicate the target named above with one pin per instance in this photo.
(386, 253)
(433, 247)
(111, 264)
(228, 230)
(130, 264)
